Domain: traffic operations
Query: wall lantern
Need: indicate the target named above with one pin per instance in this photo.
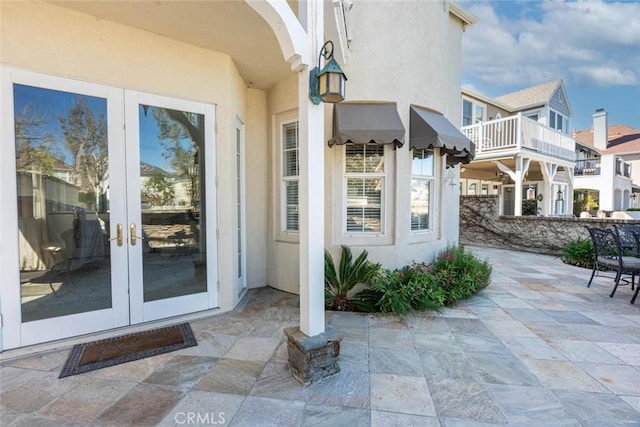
(633, 196)
(327, 85)
(539, 197)
(531, 193)
(559, 196)
(581, 197)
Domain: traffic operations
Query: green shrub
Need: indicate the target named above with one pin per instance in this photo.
(410, 288)
(455, 274)
(340, 284)
(578, 252)
(460, 273)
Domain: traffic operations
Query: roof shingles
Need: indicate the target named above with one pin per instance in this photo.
(622, 139)
(538, 94)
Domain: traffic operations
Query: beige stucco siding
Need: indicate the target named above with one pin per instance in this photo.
(416, 62)
(53, 40)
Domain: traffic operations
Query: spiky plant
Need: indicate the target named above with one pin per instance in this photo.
(339, 283)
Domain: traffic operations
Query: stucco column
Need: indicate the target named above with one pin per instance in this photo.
(311, 184)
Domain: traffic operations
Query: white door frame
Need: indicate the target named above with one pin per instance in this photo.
(241, 280)
(145, 311)
(126, 308)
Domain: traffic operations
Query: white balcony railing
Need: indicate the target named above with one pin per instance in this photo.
(517, 132)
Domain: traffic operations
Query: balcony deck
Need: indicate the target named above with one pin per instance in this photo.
(515, 134)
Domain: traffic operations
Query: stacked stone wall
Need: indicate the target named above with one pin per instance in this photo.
(482, 225)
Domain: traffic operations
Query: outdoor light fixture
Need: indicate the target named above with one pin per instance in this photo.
(531, 193)
(580, 197)
(633, 196)
(559, 196)
(327, 85)
(539, 197)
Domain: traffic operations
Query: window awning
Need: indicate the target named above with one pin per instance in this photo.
(367, 123)
(430, 129)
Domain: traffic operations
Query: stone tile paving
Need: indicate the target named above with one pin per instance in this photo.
(537, 348)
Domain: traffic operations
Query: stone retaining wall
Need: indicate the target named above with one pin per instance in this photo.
(481, 225)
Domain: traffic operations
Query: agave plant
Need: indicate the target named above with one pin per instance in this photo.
(340, 284)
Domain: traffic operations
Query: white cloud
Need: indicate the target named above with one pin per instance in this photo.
(586, 41)
(607, 76)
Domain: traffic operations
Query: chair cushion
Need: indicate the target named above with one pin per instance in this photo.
(612, 262)
(631, 263)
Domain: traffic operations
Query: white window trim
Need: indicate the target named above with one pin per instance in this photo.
(435, 210)
(365, 175)
(565, 121)
(278, 222)
(340, 235)
(432, 190)
(285, 179)
(474, 103)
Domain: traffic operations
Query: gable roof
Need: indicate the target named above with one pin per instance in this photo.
(622, 139)
(535, 95)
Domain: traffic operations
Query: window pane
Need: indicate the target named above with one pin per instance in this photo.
(552, 119)
(364, 194)
(290, 165)
(374, 159)
(422, 162)
(364, 191)
(62, 165)
(291, 194)
(466, 113)
(290, 136)
(361, 219)
(420, 196)
(559, 122)
(479, 113)
(364, 158)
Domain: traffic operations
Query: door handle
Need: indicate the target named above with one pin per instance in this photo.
(118, 237)
(132, 234)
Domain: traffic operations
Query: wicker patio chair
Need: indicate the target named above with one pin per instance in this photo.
(608, 254)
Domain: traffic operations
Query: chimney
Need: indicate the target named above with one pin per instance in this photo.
(600, 129)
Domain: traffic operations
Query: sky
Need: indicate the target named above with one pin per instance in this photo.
(48, 104)
(592, 45)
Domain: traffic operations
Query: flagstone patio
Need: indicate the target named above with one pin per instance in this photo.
(536, 348)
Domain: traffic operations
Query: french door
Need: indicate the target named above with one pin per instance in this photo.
(108, 204)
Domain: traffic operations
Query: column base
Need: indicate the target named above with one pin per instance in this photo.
(313, 358)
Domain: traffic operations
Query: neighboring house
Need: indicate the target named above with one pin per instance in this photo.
(523, 151)
(279, 179)
(608, 165)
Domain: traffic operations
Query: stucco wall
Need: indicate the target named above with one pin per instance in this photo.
(42, 37)
(424, 71)
(408, 52)
(480, 225)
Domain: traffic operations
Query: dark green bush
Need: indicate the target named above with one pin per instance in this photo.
(460, 274)
(578, 252)
(454, 275)
(410, 288)
(339, 284)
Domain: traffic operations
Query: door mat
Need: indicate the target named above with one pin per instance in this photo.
(127, 348)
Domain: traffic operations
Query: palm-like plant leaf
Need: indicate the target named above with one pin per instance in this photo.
(349, 274)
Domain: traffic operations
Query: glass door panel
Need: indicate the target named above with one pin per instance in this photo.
(170, 168)
(174, 252)
(61, 165)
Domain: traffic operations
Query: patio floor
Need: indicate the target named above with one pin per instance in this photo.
(536, 348)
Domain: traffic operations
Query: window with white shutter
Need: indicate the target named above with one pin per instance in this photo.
(290, 176)
(364, 183)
